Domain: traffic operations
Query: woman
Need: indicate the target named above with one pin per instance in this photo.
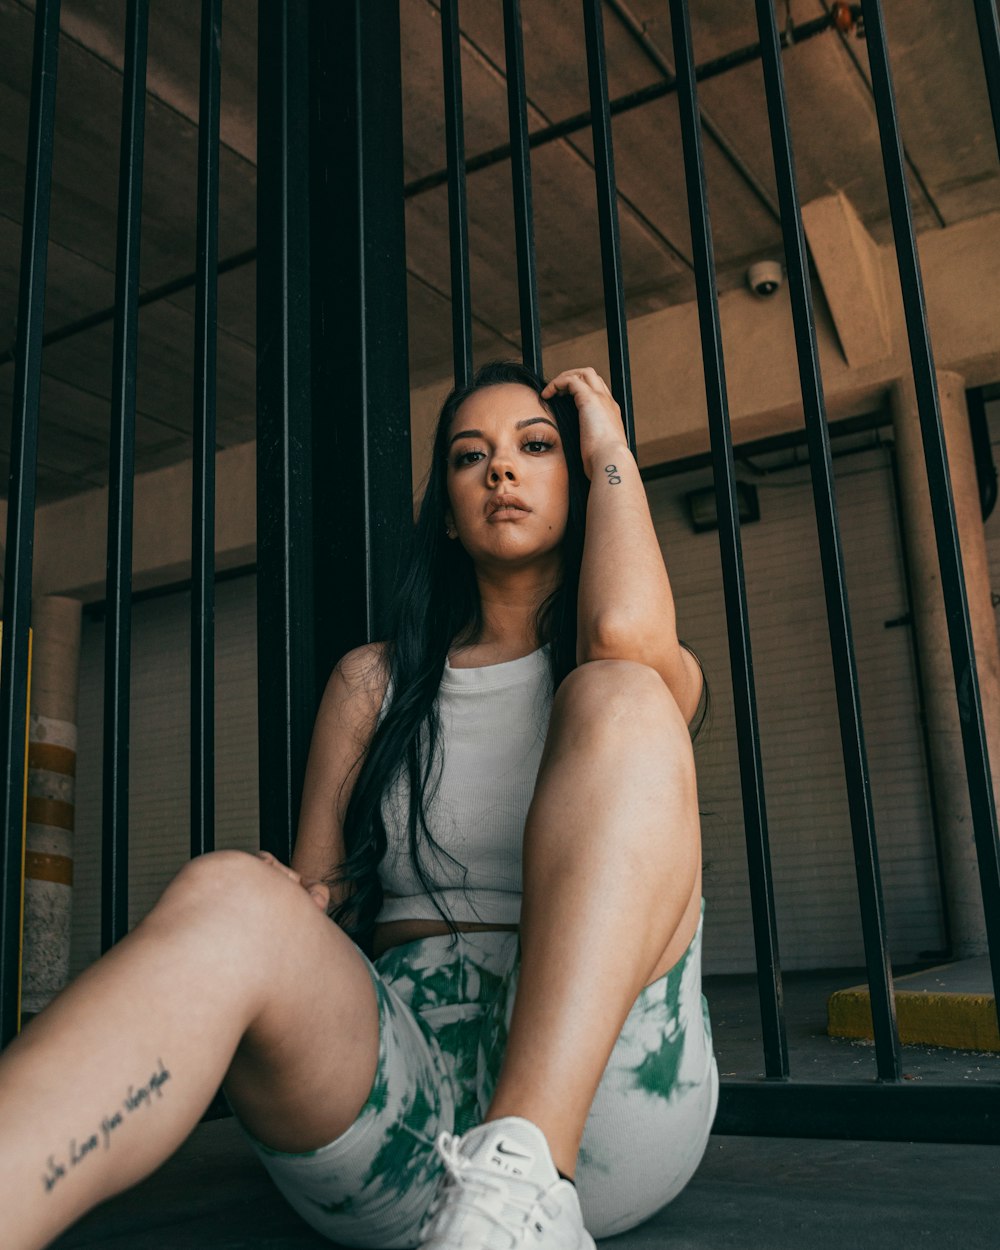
(419, 1099)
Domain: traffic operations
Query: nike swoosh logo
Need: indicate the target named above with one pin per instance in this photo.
(515, 1153)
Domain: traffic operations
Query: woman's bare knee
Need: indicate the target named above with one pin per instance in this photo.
(613, 683)
(240, 910)
(224, 882)
(628, 701)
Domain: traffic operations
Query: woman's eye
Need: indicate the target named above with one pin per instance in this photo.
(463, 458)
(538, 444)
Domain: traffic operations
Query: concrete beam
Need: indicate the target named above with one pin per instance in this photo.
(71, 534)
(961, 273)
(848, 261)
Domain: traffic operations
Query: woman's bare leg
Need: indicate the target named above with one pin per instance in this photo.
(235, 970)
(612, 889)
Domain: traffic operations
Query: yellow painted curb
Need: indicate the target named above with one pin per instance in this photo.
(925, 1017)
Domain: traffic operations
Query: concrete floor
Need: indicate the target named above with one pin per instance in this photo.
(749, 1193)
(813, 1054)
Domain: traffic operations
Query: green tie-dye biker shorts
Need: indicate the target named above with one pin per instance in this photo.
(444, 1010)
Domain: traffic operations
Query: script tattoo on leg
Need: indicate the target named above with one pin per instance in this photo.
(614, 478)
(78, 1149)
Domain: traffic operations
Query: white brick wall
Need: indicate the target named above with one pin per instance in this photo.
(816, 897)
(159, 811)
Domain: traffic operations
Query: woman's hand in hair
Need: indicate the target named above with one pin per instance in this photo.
(318, 891)
(602, 434)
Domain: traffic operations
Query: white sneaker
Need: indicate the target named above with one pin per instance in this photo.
(501, 1190)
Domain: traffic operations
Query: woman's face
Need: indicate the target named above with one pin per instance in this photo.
(508, 483)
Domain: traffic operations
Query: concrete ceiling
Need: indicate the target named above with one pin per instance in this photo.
(944, 115)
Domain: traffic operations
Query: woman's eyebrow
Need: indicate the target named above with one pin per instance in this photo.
(520, 426)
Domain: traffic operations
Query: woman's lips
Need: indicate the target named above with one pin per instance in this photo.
(506, 508)
(507, 500)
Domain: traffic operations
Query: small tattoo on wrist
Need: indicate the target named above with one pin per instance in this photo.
(614, 478)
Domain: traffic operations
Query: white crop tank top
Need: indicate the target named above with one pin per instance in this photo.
(493, 725)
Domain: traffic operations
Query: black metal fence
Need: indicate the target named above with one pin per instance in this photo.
(333, 399)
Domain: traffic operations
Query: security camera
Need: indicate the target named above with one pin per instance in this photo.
(765, 277)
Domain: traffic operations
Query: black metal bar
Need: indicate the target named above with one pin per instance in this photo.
(203, 468)
(977, 764)
(989, 39)
(621, 104)
(21, 502)
(284, 382)
(607, 216)
(838, 614)
(982, 451)
(118, 626)
(857, 1111)
(769, 984)
(520, 169)
(458, 206)
(361, 370)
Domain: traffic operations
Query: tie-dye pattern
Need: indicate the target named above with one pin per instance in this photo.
(444, 1010)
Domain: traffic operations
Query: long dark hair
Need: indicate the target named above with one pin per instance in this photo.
(436, 604)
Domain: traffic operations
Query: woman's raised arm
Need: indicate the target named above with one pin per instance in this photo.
(625, 608)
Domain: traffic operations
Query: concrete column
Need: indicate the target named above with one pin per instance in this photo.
(48, 886)
(937, 676)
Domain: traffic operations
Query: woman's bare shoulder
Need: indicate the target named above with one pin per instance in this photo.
(366, 665)
(359, 680)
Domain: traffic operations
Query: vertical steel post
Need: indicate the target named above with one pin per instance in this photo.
(977, 764)
(285, 666)
(333, 452)
(362, 469)
(520, 170)
(989, 40)
(21, 500)
(607, 215)
(121, 486)
(203, 466)
(769, 984)
(831, 556)
(458, 209)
